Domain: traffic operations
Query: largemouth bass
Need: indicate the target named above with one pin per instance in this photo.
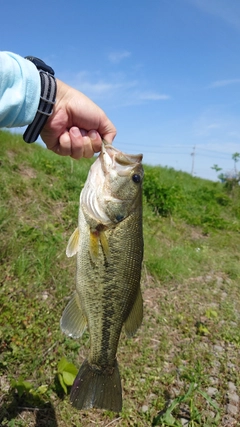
(109, 247)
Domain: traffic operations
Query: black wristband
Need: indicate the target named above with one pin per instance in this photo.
(47, 100)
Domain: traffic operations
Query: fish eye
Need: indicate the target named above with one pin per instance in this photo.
(136, 178)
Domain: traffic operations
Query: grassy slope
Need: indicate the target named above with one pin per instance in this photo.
(190, 336)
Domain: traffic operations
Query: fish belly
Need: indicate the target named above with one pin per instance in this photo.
(110, 296)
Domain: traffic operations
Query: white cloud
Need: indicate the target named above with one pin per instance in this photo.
(227, 11)
(215, 131)
(153, 96)
(221, 83)
(98, 88)
(206, 125)
(115, 89)
(116, 57)
(213, 126)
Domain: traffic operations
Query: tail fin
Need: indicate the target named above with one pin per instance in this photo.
(97, 388)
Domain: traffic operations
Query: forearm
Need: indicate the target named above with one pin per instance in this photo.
(19, 90)
(76, 125)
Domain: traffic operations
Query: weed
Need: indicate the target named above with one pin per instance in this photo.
(189, 340)
(185, 406)
(66, 372)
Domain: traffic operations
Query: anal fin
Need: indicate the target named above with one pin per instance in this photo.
(135, 317)
(73, 322)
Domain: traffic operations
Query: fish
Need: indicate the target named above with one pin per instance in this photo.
(108, 243)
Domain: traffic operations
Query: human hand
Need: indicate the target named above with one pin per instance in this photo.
(77, 125)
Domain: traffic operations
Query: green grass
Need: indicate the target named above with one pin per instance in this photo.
(190, 337)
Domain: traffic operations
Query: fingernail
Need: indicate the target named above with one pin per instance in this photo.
(93, 134)
(75, 131)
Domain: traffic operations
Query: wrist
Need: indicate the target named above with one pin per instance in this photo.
(46, 102)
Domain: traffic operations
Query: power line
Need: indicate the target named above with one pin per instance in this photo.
(159, 150)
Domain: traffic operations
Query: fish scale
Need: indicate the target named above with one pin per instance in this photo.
(114, 286)
(108, 293)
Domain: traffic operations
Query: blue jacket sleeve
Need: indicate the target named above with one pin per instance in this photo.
(19, 90)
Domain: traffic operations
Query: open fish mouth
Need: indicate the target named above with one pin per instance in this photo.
(112, 185)
(113, 158)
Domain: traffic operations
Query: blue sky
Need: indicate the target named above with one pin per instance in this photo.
(167, 72)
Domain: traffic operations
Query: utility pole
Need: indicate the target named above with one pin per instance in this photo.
(193, 159)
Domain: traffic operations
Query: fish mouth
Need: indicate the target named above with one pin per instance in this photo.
(123, 163)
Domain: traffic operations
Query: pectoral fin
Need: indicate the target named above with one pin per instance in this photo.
(104, 243)
(95, 237)
(135, 317)
(94, 245)
(73, 322)
(72, 247)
